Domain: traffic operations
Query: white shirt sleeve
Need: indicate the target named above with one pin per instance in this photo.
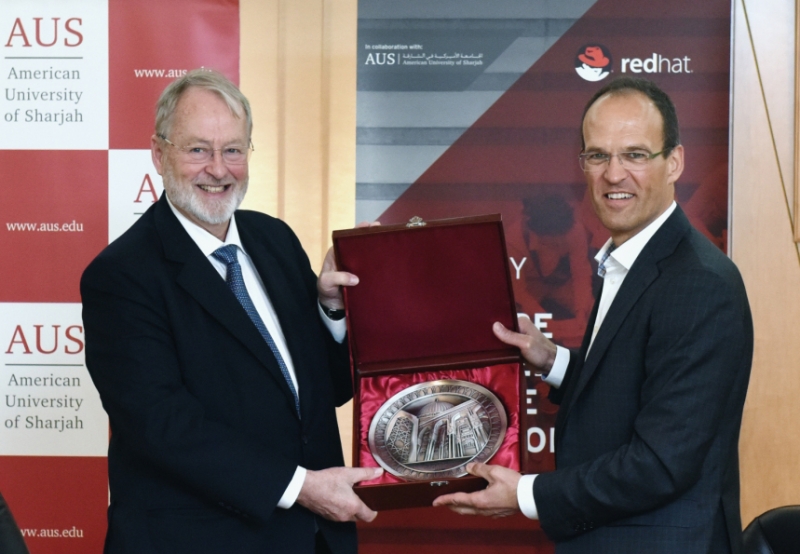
(527, 504)
(555, 377)
(338, 329)
(293, 490)
(559, 369)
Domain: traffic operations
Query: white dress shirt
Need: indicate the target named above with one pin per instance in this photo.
(617, 265)
(208, 243)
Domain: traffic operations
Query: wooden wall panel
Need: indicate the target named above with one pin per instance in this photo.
(764, 249)
(298, 71)
(259, 55)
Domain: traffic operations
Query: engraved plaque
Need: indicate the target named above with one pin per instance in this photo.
(433, 430)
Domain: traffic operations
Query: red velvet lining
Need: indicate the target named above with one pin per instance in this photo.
(503, 380)
(428, 292)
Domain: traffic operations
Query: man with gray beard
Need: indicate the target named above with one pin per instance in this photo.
(219, 356)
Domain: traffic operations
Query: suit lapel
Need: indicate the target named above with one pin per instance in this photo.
(284, 298)
(201, 281)
(636, 282)
(641, 275)
(566, 401)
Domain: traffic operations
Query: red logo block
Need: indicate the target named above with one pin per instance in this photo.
(59, 503)
(53, 221)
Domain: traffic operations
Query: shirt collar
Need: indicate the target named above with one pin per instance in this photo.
(207, 242)
(627, 253)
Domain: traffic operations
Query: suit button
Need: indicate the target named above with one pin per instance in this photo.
(304, 438)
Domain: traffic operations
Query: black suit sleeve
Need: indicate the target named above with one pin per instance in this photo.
(11, 541)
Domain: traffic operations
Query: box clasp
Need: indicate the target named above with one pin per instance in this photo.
(416, 221)
(439, 483)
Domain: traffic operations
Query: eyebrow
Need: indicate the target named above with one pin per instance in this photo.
(625, 149)
(202, 141)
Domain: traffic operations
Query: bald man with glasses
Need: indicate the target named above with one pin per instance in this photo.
(651, 404)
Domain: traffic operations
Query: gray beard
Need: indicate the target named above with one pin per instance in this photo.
(213, 213)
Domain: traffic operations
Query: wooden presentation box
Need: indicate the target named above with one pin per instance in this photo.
(423, 311)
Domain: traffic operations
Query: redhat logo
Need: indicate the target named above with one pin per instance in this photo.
(593, 62)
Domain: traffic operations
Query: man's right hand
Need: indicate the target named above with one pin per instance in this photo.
(329, 493)
(533, 345)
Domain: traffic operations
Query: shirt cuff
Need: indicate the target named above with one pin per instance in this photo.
(338, 329)
(527, 505)
(293, 490)
(556, 375)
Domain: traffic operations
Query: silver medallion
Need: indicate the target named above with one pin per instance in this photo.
(433, 430)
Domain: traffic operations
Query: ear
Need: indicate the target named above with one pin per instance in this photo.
(157, 153)
(675, 164)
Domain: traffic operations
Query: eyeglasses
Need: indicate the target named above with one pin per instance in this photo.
(231, 155)
(631, 160)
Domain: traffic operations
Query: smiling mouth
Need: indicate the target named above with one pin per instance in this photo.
(213, 188)
(618, 195)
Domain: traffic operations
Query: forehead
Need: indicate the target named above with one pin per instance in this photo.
(203, 114)
(628, 117)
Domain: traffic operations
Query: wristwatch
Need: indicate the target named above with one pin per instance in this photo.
(335, 314)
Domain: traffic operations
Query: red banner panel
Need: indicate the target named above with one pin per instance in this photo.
(153, 42)
(58, 503)
(444, 532)
(53, 221)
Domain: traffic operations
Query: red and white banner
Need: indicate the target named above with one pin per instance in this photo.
(80, 79)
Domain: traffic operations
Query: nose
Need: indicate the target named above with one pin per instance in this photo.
(615, 172)
(216, 165)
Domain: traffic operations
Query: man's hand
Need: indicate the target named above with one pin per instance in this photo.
(331, 280)
(329, 493)
(533, 345)
(499, 499)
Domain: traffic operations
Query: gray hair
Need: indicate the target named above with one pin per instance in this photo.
(208, 79)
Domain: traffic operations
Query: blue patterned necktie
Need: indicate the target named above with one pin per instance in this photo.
(601, 269)
(227, 254)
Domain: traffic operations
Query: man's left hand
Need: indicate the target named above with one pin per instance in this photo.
(331, 280)
(499, 499)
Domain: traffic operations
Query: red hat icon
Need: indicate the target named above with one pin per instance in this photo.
(593, 56)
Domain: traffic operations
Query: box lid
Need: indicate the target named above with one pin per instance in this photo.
(428, 294)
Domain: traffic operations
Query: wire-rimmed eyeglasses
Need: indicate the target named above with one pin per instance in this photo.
(198, 154)
(631, 160)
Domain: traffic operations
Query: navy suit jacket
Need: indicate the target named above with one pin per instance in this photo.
(204, 433)
(648, 426)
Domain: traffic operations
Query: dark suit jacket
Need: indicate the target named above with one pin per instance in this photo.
(204, 433)
(648, 427)
(11, 541)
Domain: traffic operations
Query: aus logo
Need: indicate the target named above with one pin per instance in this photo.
(381, 58)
